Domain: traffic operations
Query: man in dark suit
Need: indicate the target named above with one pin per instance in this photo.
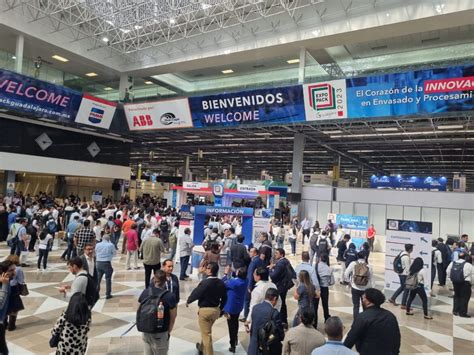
(255, 262)
(172, 282)
(279, 276)
(239, 254)
(261, 314)
(88, 261)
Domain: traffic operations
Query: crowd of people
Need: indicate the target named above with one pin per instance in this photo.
(243, 283)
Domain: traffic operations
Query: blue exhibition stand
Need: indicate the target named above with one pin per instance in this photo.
(200, 213)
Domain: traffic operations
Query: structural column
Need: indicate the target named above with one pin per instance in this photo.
(360, 176)
(297, 170)
(9, 183)
(302, 68)
(186, 175)
(126, 88)
(20, 44)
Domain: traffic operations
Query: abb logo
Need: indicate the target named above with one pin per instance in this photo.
(142, 121)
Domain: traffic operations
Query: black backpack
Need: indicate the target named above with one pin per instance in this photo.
(350, 256)
(323, 246)
(397, 264)
(457, 273)
(267, 335)
(287, 282)
(147, 321)
(164, 226)
(92, 294)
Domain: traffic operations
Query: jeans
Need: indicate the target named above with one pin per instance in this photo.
(70, 252)
(371, 243)
(43, 256)
(3, 342)
(283, 311)
(148, 270)
(441, 274)
(233, 325)
(462, 294)
(156, 343)
(13, 248)
(293, 245)
(325, 303)
(183, 262)
(420, 291)
(31, 246)
(105, 267)
(400, 290)
(356, 299)
(306, 233)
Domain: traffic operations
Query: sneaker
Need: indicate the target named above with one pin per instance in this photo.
(392, 302)
(108, 297)
(465, 315)
(428, 317)
(409, 313)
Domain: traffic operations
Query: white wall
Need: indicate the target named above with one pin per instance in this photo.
(449, 212)
(53, 166)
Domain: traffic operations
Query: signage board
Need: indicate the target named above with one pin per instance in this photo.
(399, 233)
(95, 112)
(250, 188)
(232, 211)
(38, 98)
(160, 115)
(273, 105)
(419, 92)
(193, 185)
(409, 182)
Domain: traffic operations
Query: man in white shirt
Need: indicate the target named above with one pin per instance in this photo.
(360, 280)
(306, 228)
(405, 260)
(460, 273)
(260, 275)
(80, 283)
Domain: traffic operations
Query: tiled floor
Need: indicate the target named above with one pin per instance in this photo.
(111, 318)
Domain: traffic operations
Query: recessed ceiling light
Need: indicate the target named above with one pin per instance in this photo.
(293, 61)
(61, 59)
(331, 132)
(108, 88)
(138, 27)
(386, 129)
(124, 30)
(148, 82)
(227, 71)
(172, 21)
(205, 6)
(192, 137)
(263, 134)
(105, 39)
(91, 74)
(13, 57)
(454, 126)
(110, 23)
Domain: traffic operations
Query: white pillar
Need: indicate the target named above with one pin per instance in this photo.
(186, 174)
(301, 73)
(20, 44)
(297, 168)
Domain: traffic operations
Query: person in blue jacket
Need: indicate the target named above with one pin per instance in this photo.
(236, 289)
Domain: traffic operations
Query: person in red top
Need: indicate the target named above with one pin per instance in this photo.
(132, 246)
(126, 226)
(371, 236)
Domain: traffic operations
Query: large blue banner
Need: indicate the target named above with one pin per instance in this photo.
(409, 183)
(38, 98)
(349, 221)
(276, 105)
(420, 92)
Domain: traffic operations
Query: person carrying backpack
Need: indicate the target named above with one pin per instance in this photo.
(156, 315)
(324, 245)
(361, 275)
(441, 268)
(460, 273)
(266, 330)
(401, 265)
(415, 283)
(313, 246)
(341, 255)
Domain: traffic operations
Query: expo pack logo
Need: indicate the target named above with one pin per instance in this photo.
(326, 100)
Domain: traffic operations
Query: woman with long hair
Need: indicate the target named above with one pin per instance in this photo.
(418, 272)
(69, 334)
(325, 275)
(304, 294)
(17, 282)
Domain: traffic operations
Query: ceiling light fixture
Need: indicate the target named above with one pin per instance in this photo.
(124, 30)
(227, 71)
(108, 88)
(138, 27)
(293, 61)
(172, 21)
(454, 126)
(205, 6)
(386, 129)
(92, 74)
(105, 39)
(59, 58)
(13, 57)
(148, 82)
(263, 134)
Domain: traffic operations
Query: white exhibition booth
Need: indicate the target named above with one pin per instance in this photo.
(451, 213)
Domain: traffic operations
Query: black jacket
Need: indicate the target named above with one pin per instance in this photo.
(210, 292)
(375, 331)
(240, 256)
